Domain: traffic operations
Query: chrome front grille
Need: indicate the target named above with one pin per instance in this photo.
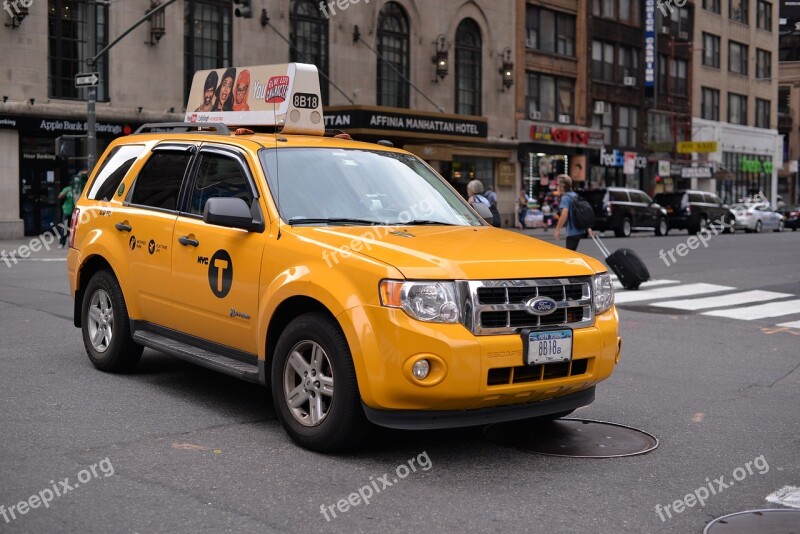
(498, 306)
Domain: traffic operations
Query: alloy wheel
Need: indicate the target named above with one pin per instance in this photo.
(308, 383)
(101, 320)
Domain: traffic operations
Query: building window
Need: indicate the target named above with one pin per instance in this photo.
(737, 10)
(710, 50)
(604, 8)
(784, 101)
(763, 64)
(762, 113)
(710, 104)
(628, 130)
(550, 98)
(711, 5)
(468, 68)
(207, 37)
(677, 77)
(550, 31)
(764, 16)
(737, 109)
(603, 61)
(737, 58)
(629, 11)
(309, 37)
(393, 46)
(629, 63)
(69, 43)
(605, 122)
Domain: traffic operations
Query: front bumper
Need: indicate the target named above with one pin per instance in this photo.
(430, 420)
(385, 343)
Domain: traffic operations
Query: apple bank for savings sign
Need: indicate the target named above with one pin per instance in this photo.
(649, 43)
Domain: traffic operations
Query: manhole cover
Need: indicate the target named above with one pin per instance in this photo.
(575, 438)
(778, 521)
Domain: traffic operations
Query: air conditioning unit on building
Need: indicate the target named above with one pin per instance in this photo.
(535, 115)
(599, 107)
(665, 29)
(564, 119)
(683, 36)
(629, 81)
(530, 42)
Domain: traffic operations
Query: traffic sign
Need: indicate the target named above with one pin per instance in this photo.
(87, 79)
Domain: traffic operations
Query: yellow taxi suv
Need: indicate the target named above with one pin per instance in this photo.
(348, 277)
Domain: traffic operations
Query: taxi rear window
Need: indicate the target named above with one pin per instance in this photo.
(113, 171)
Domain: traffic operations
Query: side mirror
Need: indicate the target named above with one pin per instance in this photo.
(231, 213)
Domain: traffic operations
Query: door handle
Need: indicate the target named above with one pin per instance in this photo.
(123, 227)
(188, 242)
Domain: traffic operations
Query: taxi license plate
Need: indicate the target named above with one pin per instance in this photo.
(549, 346)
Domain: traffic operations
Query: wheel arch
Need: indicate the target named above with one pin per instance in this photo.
(88, 269)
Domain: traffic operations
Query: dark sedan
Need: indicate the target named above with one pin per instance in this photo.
(694, 210)
(791, 216)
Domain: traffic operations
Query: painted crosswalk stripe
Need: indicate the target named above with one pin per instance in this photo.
(731, 299)
(793, 324)
(650, 283)
(749, 313)
(668, 292)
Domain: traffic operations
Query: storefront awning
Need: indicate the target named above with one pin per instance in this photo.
(396, 122)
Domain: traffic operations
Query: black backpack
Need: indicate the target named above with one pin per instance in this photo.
(582, 213)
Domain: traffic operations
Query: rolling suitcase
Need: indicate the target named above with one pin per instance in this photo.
(626, 264)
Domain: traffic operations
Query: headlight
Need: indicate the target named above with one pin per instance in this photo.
(426, 301)
(603, 293)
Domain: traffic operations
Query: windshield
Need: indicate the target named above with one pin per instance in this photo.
(361, 187)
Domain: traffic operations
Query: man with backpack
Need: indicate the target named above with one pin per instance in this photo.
(576, 214)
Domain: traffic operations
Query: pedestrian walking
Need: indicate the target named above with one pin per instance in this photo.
(68, 204)
(566, 218)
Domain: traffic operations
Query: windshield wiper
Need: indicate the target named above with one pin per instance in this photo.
(422, 222)
(333, 220)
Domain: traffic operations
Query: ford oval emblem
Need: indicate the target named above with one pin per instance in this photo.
(540, 306)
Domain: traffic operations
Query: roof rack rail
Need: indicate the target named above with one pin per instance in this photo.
(182, 127)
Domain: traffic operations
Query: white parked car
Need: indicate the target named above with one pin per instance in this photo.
(757, 218)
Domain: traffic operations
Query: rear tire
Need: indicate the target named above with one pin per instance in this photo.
(106, 326)
(758, 227)
(780, 227)
(662, 228)
(625, 229)
(314, 385)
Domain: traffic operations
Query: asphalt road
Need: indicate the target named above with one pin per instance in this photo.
(195, 451)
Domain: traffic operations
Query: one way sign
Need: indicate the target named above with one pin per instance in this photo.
(87, 79)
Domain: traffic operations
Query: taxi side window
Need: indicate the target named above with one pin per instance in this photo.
(218, 176)
(160, 180)
(113, 170)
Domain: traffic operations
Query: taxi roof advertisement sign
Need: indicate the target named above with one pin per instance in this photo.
(285, 95)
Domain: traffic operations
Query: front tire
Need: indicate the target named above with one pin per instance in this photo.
(314, 385)
(106, 326)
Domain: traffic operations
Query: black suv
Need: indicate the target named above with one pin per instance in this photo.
(625, 210)
(694, 210)
(791, 215)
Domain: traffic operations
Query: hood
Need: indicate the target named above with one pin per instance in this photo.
(455, 252)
